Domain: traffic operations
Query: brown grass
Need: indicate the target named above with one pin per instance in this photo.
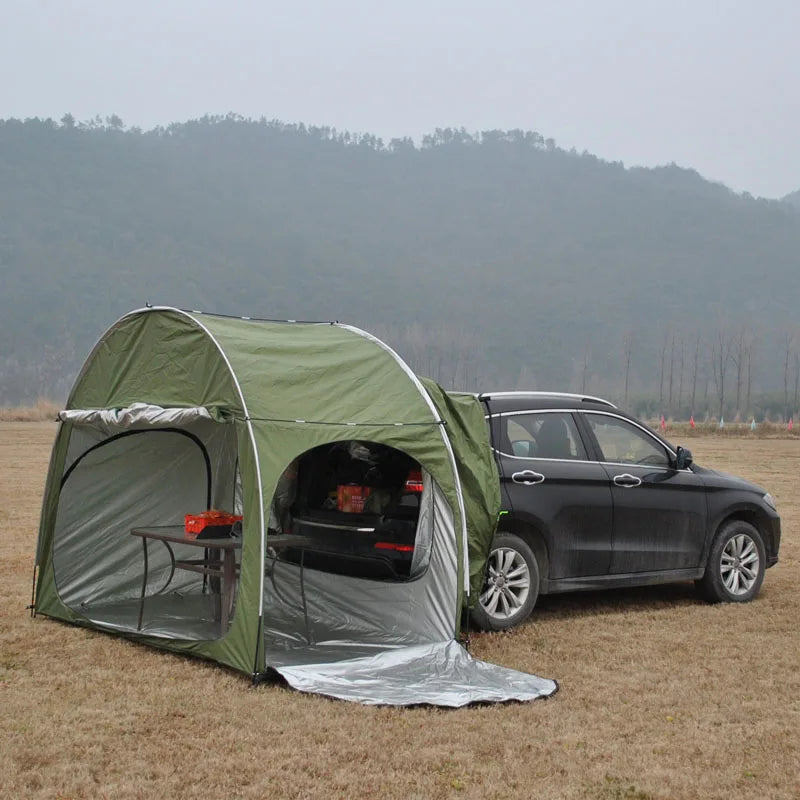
(662, 696)
(43, 410)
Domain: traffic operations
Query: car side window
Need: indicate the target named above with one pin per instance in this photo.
(541, 435)
(623, 443)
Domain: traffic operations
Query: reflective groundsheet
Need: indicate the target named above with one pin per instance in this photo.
(440, 674)
(379, 642)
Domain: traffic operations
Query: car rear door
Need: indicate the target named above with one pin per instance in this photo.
(660, 512)
(555, 488)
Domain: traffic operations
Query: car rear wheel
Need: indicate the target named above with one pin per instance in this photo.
(736, 564)
(512, 584)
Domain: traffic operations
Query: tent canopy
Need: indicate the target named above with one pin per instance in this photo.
(177, 412)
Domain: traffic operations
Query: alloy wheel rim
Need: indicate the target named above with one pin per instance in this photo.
(507, 585)
(739, 564)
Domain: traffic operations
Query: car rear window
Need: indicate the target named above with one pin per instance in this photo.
(540, 435)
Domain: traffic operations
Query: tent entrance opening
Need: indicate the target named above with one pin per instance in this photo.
(358, 505)
(123, 558)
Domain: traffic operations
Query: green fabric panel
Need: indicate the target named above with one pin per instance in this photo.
(241, 644)
(52, 491)
(316, 372)
(477, 470)
(46, 600)
(156, 357)
(280, 442)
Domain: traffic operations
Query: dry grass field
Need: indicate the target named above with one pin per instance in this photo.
(662, 696)
(43, 410)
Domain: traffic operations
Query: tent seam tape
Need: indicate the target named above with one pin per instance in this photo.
(437, 417)
(349, 424)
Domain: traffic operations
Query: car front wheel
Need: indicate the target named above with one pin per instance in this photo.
(736, 564)
(512, 584)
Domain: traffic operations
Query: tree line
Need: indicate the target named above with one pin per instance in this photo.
(488, 259)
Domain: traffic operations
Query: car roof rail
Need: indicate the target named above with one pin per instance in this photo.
(584, 398)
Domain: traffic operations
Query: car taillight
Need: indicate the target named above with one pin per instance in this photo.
(414, 481)
(399, 548)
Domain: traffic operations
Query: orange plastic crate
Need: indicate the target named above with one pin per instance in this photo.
(194, 524)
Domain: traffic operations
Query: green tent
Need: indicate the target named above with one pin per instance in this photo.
(367, 497)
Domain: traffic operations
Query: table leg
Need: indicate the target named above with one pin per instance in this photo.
(144, 585)
(228, 586)
(214, 583)
(303, 594)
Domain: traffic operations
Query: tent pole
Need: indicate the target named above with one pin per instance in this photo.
(32, 606)
(259, 640)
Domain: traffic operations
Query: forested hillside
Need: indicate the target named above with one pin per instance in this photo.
(487, 260)
(793, 198)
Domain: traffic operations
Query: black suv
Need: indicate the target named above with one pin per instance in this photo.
(593, 499)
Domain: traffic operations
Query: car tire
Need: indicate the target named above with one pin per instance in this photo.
(512, 584)
(736, 564)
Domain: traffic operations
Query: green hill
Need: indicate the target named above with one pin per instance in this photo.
(487, 260)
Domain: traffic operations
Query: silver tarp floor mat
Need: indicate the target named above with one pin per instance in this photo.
(190, 617)
(440, 674)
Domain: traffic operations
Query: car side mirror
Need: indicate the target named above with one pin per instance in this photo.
(683, 458)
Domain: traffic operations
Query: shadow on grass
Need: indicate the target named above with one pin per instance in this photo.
(634, 600)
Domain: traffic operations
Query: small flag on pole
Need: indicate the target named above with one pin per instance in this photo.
(691, 421)
(663, 423)
(753, 424)
(721, 422)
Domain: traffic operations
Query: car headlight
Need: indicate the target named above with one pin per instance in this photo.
(770, 501)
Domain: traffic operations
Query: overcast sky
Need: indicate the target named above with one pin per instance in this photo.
(709, 85)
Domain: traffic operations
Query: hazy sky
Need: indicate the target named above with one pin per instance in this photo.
(709, 85)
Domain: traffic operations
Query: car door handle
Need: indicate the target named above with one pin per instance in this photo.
(627, 481)
(527, 477)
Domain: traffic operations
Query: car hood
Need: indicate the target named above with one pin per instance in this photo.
(723, 480)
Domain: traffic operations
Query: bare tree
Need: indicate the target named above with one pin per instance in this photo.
(671, 370)
(720, 358)
(749, 360)
(584, 372)
(796, 381)
(788, 343)
(525, 379)
(627, 354)
(738, 351)
(695, 366)
(664, 346)
(680, 374)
